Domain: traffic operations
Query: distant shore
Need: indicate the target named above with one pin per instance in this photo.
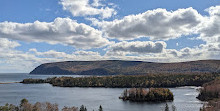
(8, 82)
(125, 81)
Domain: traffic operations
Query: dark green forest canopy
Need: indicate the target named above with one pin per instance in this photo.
(125, 81)
(150, 95)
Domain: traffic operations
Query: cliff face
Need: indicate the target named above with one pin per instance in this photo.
(115, 67)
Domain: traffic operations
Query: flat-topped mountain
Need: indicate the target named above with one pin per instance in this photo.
(116, 67)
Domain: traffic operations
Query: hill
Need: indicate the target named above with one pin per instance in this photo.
(116, 67)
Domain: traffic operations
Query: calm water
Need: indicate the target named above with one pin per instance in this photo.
(184, 97)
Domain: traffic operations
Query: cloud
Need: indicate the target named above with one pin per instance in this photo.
(210, 29)
(158, 24)
(203, 51)
(136, 47)
(61, 30)
(157, 52)
(14, 60)
(7, 44)
(86, 8)
(172, 55)
(86, 53)
(77, 55)
(18, 61)
(214, 10)
(50, 54)
(177, 44)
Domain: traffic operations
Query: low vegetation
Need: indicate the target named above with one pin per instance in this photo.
(150, 95)
(122, 81)
(211, 93)
(26, 106)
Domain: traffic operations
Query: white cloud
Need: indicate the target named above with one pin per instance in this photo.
(86, 53)
(149, 51)
(214, 10)
(50, 54)
(177, 44)
(96, 3)
(158, 24)
(7, 44)
(14, 60)
(136, 47)
(61, 30)
(85, 8)
(210, 29)
(201, 52)
(18, 61)
(77, 55)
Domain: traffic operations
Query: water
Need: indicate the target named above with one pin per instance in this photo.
(184, 97)
(18, 77)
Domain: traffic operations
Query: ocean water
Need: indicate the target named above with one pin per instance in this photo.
(92, 98)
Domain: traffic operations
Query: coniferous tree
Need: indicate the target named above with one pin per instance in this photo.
(100, 108)
(166, 107)
(82, 108)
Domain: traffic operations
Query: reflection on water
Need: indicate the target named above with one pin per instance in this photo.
(184, 97)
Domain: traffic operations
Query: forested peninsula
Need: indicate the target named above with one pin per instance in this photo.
(210, 92)
(129, 81)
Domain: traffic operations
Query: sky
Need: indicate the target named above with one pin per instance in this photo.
(33, 32)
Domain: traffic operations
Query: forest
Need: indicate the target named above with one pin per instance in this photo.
(25, 105)
(150, 95)
(210, 92)
(131, 81)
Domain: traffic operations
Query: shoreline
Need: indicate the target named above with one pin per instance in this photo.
(8, 82)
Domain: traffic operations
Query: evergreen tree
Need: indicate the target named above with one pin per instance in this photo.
(100, 108)
(82, 108)
(166, 107)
